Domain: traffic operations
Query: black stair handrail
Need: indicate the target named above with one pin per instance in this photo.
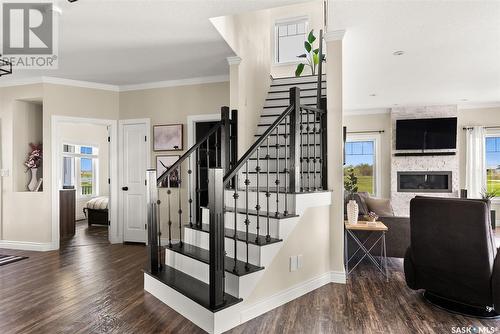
(193, 148)
(258, 143)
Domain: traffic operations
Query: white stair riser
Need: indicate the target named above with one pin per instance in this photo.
(297, 80)
(281, 140)
(287, 87)
(311, 151)
(252, 164)
(308, 180)
(303, 93)
(274, 224)
(286, 102)
(201, 271)
(282, 128)
(252, 200)
(202, 239)
(270, 119)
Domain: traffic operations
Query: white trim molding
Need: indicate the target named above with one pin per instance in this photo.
(234, 60)
(28, 245)
(78, 83)
(334, 35)
(373, 111)
(174, 83)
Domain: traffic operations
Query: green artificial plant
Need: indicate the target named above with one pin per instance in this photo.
(311, 56)
(351, 182)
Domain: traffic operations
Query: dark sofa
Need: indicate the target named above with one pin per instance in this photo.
(397, 236)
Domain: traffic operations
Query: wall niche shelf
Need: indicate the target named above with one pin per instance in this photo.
(422, 154)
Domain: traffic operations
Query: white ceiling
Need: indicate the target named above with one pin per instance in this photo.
(123, 42)
(452, 52)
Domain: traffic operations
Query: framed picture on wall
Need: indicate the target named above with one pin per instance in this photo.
(167, 137)
(162, 163)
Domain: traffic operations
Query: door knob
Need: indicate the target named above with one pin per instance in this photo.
(124, 188)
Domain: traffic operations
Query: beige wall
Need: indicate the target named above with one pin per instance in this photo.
(314, 13)
(173, 105)
(249, 36)
(35, 224)
(376, 122)
(94, 135)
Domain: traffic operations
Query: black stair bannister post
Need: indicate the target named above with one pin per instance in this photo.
(225, 137)
(152, 216)
(295, 139)
(217, 247)
(234, 142)
(324, 145)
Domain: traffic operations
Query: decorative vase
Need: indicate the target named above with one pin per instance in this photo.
(34, 180)
(352, 212)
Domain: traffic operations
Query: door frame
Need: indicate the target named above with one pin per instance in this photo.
(113, 230)
(121, 122)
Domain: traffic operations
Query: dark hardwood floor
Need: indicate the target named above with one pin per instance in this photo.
(90, 286)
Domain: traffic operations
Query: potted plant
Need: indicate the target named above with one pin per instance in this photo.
(488, 195)
(351, 187)
(33, 162)
(311, 56)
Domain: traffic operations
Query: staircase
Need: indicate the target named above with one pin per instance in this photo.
(221, 252)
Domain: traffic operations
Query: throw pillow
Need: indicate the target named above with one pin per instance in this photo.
(360, 198)
(381, 206)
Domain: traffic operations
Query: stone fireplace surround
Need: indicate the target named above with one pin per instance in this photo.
(429, 163)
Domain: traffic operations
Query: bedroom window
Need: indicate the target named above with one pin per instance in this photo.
(80, 169)
(289, 40)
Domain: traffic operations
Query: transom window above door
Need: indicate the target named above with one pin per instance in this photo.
(289, 40)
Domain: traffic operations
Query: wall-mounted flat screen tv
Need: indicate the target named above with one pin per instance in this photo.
(426, 134)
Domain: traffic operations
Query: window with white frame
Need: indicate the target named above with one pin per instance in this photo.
(492, 159)
(289, 40)
(80, 169)
(361, 154)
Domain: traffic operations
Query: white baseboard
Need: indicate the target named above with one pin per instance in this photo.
(290, 294)
(27, 245)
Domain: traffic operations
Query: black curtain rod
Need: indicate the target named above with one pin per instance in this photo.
(486, 127)
(374, 131)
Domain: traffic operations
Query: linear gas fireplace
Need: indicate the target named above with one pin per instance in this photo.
(425, 182)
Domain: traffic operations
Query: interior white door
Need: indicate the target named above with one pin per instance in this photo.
(134, 149)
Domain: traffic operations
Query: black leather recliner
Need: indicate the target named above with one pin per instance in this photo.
(452, 255)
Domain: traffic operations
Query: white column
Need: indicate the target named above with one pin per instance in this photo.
(335, 147)
(234, 100)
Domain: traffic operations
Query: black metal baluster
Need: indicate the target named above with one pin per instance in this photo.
(277, 182)
(235, 223)
(208, 154)
(190, 192)
(301, 153)
(308, 129)
(286, 135)
(169, 192)
(247, 221)
(268, 194)
(199, 216)
(314, 151)
(257, 207)
(180, 205)
(157, 208)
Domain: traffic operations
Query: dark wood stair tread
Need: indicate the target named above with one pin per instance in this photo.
(191, 287)
(298, 83)
(301, 90)
(281, 134)
(203, 255)
(240, 235)
(263, 213)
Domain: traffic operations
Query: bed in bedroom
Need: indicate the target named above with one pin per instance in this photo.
(96, 211)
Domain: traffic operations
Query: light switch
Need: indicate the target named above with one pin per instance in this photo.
(293, 263)
(300, 261)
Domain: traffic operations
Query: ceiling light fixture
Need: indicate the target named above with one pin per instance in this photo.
(5, 66)
(398, 53)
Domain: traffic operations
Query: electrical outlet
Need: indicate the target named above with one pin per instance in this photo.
(293, 263)
(300, 261)
(4, 172)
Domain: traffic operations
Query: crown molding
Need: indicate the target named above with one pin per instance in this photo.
(235, 60)
(21, 82)
(372, 111)
(334, 35)
(174, 83)
(478, 105)
(78, 83)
